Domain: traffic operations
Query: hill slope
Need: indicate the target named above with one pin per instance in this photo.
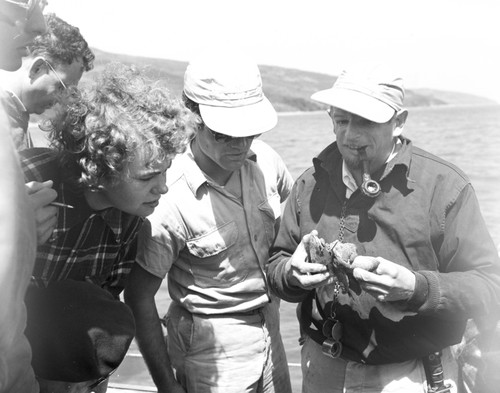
(288, 89)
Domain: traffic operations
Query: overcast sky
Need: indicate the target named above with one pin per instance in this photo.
(440, 44)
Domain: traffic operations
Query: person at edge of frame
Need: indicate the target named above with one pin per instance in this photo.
(20, 23)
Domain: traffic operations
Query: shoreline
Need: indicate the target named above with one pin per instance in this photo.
(410, 108)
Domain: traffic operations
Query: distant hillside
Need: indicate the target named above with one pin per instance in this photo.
(288, 89)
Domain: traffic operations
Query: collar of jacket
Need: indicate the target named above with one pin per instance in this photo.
(329, 163)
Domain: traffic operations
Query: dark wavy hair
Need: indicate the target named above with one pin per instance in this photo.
(62, 44)
(194, 107)
(103, 126)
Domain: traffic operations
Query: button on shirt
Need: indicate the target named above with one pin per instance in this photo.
(214, 244)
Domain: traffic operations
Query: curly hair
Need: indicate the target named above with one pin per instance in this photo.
(62, 43)
(102, 127)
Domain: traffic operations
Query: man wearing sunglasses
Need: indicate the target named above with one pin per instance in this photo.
(20, 23)
(55, 61)
(212, 234)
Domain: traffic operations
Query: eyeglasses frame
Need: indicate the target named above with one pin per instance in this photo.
(223, 138)
(55, 73)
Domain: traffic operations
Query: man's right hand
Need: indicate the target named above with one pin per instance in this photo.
(40, 196)
(304, 274)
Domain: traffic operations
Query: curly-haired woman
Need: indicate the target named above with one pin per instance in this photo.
(111, 150)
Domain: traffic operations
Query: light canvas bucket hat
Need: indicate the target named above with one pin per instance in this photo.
(228, 89)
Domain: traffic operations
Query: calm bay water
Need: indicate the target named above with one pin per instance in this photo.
(469, 137)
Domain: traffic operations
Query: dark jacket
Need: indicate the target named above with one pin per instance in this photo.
(426, 219)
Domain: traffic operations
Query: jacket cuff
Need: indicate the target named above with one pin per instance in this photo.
(420, 293)
(433, 291)
(282, 288)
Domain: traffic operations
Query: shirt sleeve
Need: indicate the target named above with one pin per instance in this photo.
(468, 281)
(285, 180)
(121, 269)
(160, 242)
(286, 242)
(39, 164)
(271, 160)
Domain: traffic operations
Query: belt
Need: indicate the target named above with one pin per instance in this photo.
(432, 363)
(254, 311)
(244, 313)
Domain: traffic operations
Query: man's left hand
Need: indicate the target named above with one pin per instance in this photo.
(387, 282)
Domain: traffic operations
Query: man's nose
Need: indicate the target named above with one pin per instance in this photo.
(352, 131)
(161, 187)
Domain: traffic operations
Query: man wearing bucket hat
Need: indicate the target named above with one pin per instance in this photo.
(212, 234)
(425, 261)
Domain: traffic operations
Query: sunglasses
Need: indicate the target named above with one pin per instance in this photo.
(223, 138)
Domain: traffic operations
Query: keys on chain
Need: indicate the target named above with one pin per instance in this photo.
(342, 221)
(332, 330)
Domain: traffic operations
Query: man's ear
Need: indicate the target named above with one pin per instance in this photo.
(400, 121)
(38, 68)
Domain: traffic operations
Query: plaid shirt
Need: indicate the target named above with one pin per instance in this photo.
(87, 245)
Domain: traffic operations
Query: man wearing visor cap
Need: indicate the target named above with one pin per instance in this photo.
(211, 234)
(384, 319)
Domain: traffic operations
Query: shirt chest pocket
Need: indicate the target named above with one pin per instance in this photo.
(214, 260)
